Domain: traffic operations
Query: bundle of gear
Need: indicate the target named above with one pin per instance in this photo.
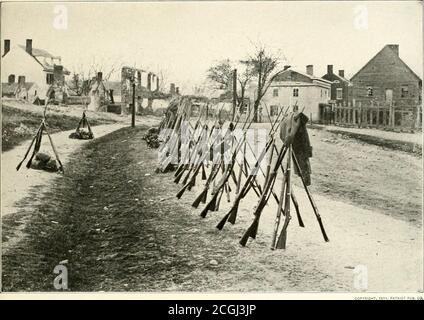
(83, 130)
(152, 138)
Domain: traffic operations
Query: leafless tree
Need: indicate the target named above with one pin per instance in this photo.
(163, 78)
(83, 75)
(264, 66)
(244, 76)
(221, 75)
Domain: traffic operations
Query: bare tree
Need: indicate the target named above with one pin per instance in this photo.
(264, 66)
(221, 75)
(82, 75)
(244, 76)
(163, 78)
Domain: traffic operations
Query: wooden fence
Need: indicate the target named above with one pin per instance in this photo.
(377, 115)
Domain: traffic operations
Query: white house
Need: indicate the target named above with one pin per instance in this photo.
(35, 65)
(290, 87)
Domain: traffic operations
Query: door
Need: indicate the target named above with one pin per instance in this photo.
(389, 96)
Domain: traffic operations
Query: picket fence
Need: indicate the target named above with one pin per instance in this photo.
(375, 115)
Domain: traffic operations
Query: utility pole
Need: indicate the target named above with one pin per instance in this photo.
(133, 104)
(234, 92)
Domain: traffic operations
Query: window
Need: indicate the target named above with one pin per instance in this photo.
(11, 78)
(295, 92)
(49, 78)
(370, 91)
(274, 110)
(404, 91)
(275, 93)
(339, 93)
(321, 93)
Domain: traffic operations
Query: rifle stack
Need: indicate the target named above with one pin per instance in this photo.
(216, 151)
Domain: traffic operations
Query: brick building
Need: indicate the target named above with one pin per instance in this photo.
(339, 86)
(387, 79)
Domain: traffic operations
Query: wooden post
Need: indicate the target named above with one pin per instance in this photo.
(366, 108)
(133, 105)
(234, 92)
(384, 116)
(378, 115)
(353, 112)
(392, 116)
(348, 113)
(360, 115)
(417, 117)
(335, 114)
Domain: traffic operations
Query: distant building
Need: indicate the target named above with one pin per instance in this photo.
(115, 86)
(292, 87)
(20, 90)
(36, 66)
(98, 94)
(387, 79)
(340, 86)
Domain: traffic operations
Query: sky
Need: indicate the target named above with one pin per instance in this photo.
(183, 39)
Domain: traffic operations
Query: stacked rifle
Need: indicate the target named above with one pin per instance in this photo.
(81, 132)
(37, 159)
(217, 151)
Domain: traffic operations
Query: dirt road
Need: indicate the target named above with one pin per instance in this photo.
(109, 218)
(15, 184)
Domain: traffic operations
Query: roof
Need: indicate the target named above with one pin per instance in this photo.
(303, 74)
(387, 46)
(10, 88)
(294, 84)
(41, 53)
(337, 76)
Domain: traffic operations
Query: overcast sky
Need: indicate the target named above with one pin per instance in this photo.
(186, 38)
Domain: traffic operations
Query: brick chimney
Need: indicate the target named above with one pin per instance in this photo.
(286, 67)
(149, 81)
(99, 76)
(139, 78)
(6, 46)
(172, 89)
(310, 69)
(330, 69)
(157, 83)
(28, 47)
(11, 79)
(58, 75)
(341, 73)
(395, 48)
(21, 80)
(177, 90)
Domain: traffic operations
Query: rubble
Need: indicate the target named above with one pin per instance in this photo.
(152, 137)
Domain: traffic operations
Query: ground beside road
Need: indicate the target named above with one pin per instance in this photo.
(21, 120)
(407, 142)
(118, 226)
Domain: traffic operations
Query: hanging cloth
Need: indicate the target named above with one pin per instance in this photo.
(293, 131)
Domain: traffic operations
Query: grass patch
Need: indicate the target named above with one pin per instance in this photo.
(19, 125)
(128, 232)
